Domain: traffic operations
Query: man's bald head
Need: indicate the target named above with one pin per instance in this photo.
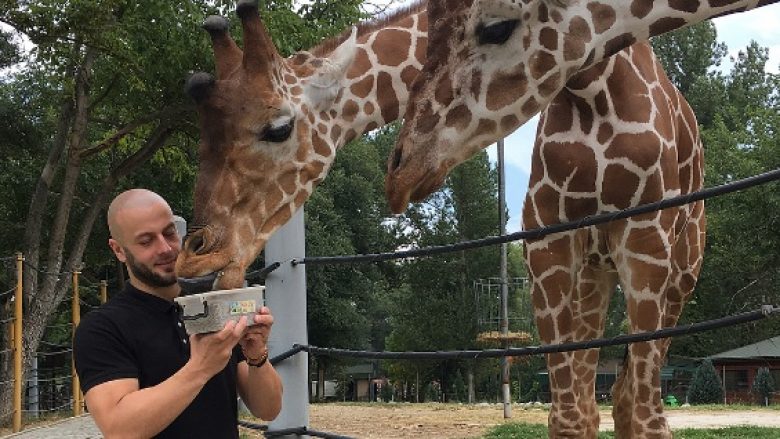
(130, 199)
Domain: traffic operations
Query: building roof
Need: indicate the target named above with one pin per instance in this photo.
(769, 348)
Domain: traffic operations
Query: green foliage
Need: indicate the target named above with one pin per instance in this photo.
(705, 387)
(458, 391)
(763, 386)
(386, 394)
(432, 392)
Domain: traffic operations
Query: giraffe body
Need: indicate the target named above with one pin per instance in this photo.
(270, 127)
(618, 135)
(615, 134)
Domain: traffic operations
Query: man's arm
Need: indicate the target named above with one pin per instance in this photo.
(120, 409)
(259, 387)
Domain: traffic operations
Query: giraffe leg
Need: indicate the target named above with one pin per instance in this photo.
(637, 405)
(570, 300)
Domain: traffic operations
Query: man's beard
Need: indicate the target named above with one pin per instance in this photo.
(147, 276)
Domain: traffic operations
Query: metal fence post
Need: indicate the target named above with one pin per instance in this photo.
(17, 421)
(103, 291)
(76, 311)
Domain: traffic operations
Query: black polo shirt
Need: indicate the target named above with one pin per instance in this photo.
(139, 335)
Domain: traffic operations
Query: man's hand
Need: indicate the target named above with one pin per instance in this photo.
(255, 339)
(210, 353)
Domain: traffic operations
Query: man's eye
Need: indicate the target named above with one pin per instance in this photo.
(277, 134)
(496, 33)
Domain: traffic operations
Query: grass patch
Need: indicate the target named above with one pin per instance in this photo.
(533, 431)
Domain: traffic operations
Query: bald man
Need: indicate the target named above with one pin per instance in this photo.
(141, 374)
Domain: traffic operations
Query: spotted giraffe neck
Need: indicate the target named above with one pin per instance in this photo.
(375, 89)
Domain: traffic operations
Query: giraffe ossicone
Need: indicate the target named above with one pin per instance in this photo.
(270, 126)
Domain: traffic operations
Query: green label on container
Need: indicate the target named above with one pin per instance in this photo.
(242, 307)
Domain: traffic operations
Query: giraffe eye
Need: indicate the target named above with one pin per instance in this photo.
(277, 134)
(496, 33)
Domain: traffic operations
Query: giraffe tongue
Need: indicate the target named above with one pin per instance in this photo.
(195, 285)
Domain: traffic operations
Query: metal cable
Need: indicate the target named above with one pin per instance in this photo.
(764, 312)
(555, 228)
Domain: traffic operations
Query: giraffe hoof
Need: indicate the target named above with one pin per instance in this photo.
(215, 24)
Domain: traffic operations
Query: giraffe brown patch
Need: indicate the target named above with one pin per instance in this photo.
(458, 117)
(629, 95)
(544, 13)
(544, 197)
(618, 43)
(273, 198)
(602, 103)
(444, 92)
(546, 327)
(558, 117)
(476, 83)
(548, 38)
(646, 240)
(387, 97)
(574, 41)
(485, 127)
(540, 63)
(320, 147)
(666, 24)
(556, 286)
(619, 186)
(391, 46)
(509, 122)
(322, 128)
(360, 65)
(505, 89)
(290, 79)
(571, 164)
(640, 8)
(420, 50)
(312, 171)
(408, 74)
(369, 108)
(654, 189)
(427, 119)
(642, 149)
(301, 198)
(580, 207)
(684, 5)
(551, 85)
(647, 276)
(351, 134)
(603, 16)
(565, 320)
(363, 87)
(287, 182)
(371, 126)
(350, 110)
(335, 133)
(585, 113)
(561, 378)
(530, 107)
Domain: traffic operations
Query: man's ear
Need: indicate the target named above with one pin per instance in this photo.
(117, 249)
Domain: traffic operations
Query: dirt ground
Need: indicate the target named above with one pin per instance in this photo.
(448, 421)
(463, 421)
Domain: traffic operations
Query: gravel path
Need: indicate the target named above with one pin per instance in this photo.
(426, 420)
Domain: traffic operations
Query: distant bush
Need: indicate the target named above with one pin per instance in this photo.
(763, 386)
(705, 387)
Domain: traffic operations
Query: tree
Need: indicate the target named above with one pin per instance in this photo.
(763, 386)
(705, 386)
(106, 77)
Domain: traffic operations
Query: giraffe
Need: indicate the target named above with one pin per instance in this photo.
(270, 126)
(616, 134)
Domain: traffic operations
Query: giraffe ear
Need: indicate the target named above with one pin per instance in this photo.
(325, 84)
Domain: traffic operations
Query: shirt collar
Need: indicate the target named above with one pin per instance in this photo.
(149, 300)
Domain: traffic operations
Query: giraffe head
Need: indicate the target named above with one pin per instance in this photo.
(494, 64)
(270, 127)
(265, 142)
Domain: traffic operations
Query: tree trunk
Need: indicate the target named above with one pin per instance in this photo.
(320, 379)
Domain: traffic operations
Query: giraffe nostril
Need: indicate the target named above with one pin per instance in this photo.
(396, 159)
(196, 244)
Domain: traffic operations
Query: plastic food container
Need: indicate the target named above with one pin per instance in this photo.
(209, 312)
